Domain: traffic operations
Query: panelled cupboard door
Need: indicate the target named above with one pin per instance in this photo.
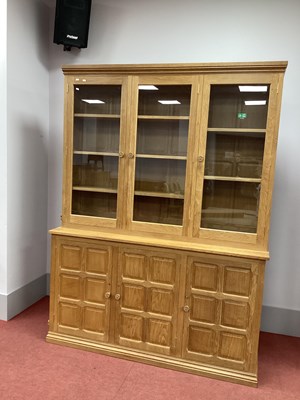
(147, 301)
(82, 289)
(163, 124)
(221, 323)
(237, 143)
(95, 126)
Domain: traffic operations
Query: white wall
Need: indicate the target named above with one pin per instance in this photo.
(142, 31)
(27, 141)
(3, 153)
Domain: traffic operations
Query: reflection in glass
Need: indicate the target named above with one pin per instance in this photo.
(160, 176)
(231, 206)
(97, 99)
(96, 134)
(161, 152)
(228, 108)
(95, 171)
(95, 150)
(158, 210)
(162, 137)
(94, 204)
(177, 97)
(235, 155)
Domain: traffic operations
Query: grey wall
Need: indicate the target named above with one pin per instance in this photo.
(24, 75)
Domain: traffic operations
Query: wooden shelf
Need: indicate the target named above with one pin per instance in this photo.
(232, 179)
(160, 194)
(113, 116)
(236, 130)
(96, 153)
(162, 157)
(94, 189)
(164, 117)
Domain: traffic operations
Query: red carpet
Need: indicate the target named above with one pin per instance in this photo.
(32, 369)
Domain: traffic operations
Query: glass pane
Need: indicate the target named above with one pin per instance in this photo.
(97, 99)
(160, 180)
(165, 100)
(158, 210)
(160, 176)
(94, 204)
(96, 134)
(96, 148)
(238, 106)
(235, 155)
(162, 137)
(231, 206)
(96, 171)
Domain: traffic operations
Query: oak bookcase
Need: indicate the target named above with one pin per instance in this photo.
(167, 189)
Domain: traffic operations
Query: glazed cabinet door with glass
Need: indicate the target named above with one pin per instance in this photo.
(95, 129)
(236, 142)
(162, 125)
(189, 155)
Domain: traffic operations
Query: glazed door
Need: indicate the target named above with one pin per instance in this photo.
(159, 191)
(147, 300)
(96, 124)
(238, 135)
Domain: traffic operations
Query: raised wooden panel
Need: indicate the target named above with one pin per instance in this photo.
(204, 309)
(94, 290)
(134, 266)
(237, 281)
(201, 340)
(159, 332)
(70, 286)
(131, 327)
(94, 320)
(148, 304)
(70, 257)
(218, 299)
(160, 301)
(133, 297)
(97, 261)
(232, 346)
(69, 315)
(162, 270)
(205, 276)
(234, 314)
(83, 279)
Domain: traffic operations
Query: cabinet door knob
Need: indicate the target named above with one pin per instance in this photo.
(186, 308)
(121, 154)
(107, 295)
(117, 296)
(200, 159)
(130, 155)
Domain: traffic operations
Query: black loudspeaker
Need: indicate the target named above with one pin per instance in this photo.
(72, 20)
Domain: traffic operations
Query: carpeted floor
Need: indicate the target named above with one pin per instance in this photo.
(32, 369)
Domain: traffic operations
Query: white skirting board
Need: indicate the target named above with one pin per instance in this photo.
(17, 301)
